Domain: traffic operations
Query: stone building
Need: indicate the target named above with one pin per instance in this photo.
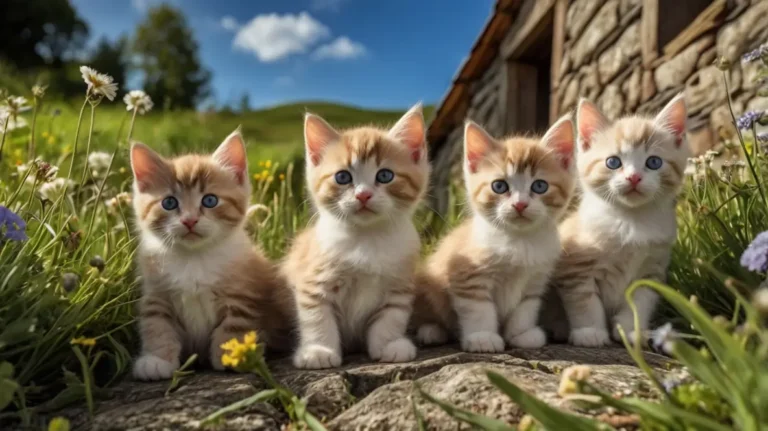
(535, 58)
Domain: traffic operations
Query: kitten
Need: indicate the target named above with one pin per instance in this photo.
(630, 172)
(492, 270)
(352, 271)
(203, 281)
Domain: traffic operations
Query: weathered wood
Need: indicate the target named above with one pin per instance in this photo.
(649, 32)
(558, 42)
(532, 19)
(521, 101)
(712, 17)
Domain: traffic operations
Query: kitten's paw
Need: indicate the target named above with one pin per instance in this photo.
(630, 336)
(431, 334)
(483, 342)
(151, 367)
(400, 350)
(589, 337)
(315, 357)
(530, 339)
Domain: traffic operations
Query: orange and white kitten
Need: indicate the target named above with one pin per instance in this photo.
(490, 272)
(203, 281)
(630, 173)
(352, 270)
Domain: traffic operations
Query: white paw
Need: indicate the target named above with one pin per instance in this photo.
(483, 342)
(530, 339)
(431, 334)
(151, 367)
(315, 357)
(589, 337)
(400, 350)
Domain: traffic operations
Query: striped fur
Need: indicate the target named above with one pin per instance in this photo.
(201, 290)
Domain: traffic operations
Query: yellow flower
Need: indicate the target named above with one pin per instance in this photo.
(123, 170)
(268, 164)
(261, 163)
(282, 177)
(17, 153)
(19, 162)
(256, 177)
(235, 351)
(83, 341)
(51, 140)
(265, 173)
(46, 134)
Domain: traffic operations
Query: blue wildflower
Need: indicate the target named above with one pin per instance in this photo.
(755, 257)
(749, 118)
(13, 224)
(762, 137)
(755, 54)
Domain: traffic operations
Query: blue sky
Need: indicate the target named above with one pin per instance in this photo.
(372, 53)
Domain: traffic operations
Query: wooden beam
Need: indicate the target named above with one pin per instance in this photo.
(558, 42)
(711, 18)
(649, 32)
(520, 98)
(531, 21)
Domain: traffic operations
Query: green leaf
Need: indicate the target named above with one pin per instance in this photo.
(264, 395)
(17, 332)
(550, 417)
(480, 421)
(58, 424)
(180, 374)
(670, 415)
(8, 389)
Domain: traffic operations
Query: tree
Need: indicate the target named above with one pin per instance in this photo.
(110, 58)
(245, 103)
(168, 53)
(35, 33)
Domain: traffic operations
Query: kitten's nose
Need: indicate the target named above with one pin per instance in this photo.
(634, 179)
(520, 206)
(189, 222)
(364, 196)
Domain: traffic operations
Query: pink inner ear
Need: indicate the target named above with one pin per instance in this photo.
(149, 169)
(477, 144)
(317, 135)
(590, 120)
(231, 153)
(674, 117)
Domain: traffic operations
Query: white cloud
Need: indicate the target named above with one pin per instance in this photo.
(229, 23)
(341, 49)
(273, 37)
(332, 5)
(284, 81)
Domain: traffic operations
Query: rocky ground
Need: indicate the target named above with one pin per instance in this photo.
(365, 396)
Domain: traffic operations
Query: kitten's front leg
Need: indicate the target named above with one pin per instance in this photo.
(160, 340)
(521, 329)
(586, 315)
(645, 301)
(386, 333)
(319, 338)
(238, 320)
(478, 321)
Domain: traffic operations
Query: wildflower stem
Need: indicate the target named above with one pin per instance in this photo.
(77, 137)
(2, 140)
(133, 121)
(88, 144)
(31, 148)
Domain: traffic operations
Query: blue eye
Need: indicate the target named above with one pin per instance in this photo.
(654, 162)
(170, 203)
(613, 162)
(343, 177)
(384, 176)
(499, 186)
(210, 201)
(540, 187)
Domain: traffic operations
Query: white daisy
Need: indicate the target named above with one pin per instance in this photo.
(9, 123)
(99, 160)
(99, 83)
(56, 188)
(139, 100)
(16, 105)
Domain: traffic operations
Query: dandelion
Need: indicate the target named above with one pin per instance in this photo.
(268, 164)
(83, 341)
(749, 118)
(755, 257)
(570, 379)
(265, 173)
(13, 225)
(139, 101)
(256, 177)
(99, 161)
(56, 188)
(755, 54)
(236, 352)
(16, 105)
(98, 83)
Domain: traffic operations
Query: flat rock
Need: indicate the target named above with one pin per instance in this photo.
(365, 396)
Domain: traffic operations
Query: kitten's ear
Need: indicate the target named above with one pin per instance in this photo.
(317, 135)
(149, 169)
(589, 120)
(673, 118)
(231, 154)
(560, 139)
(411, 130)
(477, 144)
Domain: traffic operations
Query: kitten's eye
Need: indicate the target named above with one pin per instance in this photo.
(613, 162)
(540, 187)
(500, 187)
(654, 162)
(343, 177)
(384, 176)
(210, 201)
(170, 203)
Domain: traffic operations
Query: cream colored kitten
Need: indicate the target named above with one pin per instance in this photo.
(352, 270)
(630, 171)
(203, 281)
(491, 271)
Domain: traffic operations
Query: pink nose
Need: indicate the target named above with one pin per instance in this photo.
(189, 222)
(521, 206)
(634, 179)
(364, 196)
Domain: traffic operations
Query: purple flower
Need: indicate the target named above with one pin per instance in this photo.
(755, 257)
(762, 137)
(749, 118)
(755, 54)
(13, 224)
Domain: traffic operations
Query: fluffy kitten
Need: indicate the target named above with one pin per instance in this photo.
(203, 281)
(352, 270)
(492, 270)
(630, 172)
